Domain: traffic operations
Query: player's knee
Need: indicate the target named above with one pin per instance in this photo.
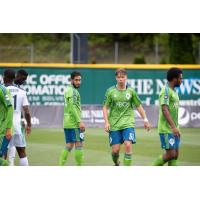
(128, 146)
(115, 151)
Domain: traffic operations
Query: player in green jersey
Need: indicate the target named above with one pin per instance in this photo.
(6, 120)
(168, 127)
(119, 117)
(73, 126)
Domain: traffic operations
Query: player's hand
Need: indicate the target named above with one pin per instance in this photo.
(28, 130)
(176, 132)
(82, 126)
(107, 127)
(8, 133)
(147, 125)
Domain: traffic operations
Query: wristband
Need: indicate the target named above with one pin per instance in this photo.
(146, 120)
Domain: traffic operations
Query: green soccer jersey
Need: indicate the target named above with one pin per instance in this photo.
(170, 98)
(121, 104)
(72, 108)
(6, 110)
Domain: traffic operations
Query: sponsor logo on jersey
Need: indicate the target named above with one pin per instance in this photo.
(122, 104)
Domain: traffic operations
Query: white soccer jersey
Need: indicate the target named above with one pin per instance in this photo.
(19, 100)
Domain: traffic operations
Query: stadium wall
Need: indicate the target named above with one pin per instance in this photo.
(46, 82)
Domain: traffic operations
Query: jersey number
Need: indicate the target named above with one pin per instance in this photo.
(15, 101)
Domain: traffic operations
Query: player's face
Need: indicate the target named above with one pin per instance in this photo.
(121, 79)
(179, 80)
(76, 82)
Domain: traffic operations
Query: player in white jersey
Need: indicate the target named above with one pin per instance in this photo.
(20, 104)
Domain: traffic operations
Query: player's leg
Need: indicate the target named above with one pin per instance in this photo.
(167, 143)
(69, 145)
(20, 143)
(11, 155)
(174, 162)
(79, 155)
(128, 139)
(115, 138)
(3, 150)
(23, 160)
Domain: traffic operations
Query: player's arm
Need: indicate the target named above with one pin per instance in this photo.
(6, 101)
(138, 104)
(27, 116)
(166, 113)
(141, 110)
(105, 116)
(106, 105)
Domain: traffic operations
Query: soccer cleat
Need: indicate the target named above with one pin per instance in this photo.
(117, 164)
(3, 162)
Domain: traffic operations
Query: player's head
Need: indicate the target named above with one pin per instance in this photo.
(21, 77)
(76, 79)
(121, 76)
(9, 76)
(175, 75)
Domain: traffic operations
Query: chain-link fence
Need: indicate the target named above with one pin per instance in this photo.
(116, 52)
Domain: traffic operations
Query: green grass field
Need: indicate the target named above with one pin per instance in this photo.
(44, 147)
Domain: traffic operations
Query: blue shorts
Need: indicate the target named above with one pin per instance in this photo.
(169, 141)
(118, 137)
(3, 145)
(73, 135)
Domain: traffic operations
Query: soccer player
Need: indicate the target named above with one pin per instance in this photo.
(20, 103)
(72, 124)
(120, 120)
(6, 120)
(168, 127)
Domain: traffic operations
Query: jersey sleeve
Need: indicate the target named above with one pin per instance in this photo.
(5, 97)
(25, 100)
(135, 99)
(164, 96)
(107, 99)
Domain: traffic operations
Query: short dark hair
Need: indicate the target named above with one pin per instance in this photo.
(9, 74)
(73, 74)
(120, 71)
(22, 72)
(173, 73)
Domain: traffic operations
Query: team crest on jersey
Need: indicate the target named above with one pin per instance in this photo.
(128, 96)
(166, 96)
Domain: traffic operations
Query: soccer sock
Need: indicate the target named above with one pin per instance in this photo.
(173, 162)
(159, 161)
(11, 155)
(127, 159)
(23, 161)
(63, 156)
(79, 155)
(115, 158)
(3, 162)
